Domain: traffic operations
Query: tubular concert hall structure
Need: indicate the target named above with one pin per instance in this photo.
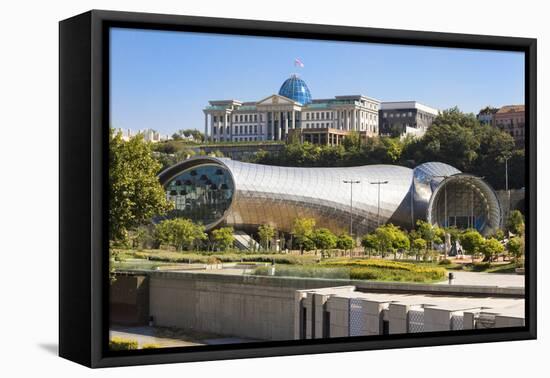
(216, 191)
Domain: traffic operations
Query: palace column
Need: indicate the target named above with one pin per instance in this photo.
(231, 131)
(206, 126)
(265, 126)
(212, 127)
(220, 128)
(286, 125)
(224, 127)
(293, 119)
(279, 119)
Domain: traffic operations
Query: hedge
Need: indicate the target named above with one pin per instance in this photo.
(120, 343)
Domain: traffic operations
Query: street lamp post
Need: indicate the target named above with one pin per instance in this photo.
(351, 182)
(506, 185)
(378, 183)
(444, 177)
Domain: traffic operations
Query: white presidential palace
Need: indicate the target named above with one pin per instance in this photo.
(291, 110)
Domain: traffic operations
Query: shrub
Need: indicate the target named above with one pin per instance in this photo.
(479, 267)
(306, 271)
(445, 262)
(120, 343)
(150, 346)
(202, 258)
(212, 260)
(223, 237)
(380, 270)
(179, 232)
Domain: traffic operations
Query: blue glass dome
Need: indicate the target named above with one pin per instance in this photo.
(296, 89)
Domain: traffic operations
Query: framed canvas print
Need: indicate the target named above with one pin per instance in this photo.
(236, 188)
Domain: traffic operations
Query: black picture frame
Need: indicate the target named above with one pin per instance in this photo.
(83, 154)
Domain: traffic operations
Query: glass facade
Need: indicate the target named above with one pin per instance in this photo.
(296, 89)
(202, 193)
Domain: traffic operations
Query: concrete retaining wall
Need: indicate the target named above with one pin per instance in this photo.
(253, 307)
(282, 308)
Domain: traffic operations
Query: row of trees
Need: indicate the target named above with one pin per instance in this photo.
(454, 138)
(306, 237)
(420, 242)
(184, 235)
(196, 134)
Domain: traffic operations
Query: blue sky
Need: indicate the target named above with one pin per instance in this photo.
(162, 80)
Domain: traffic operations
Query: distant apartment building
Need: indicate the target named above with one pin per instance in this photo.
(126, 134)
(402, 118)
(290, 111)
(511, 119)
(149, 135)
(486, 115)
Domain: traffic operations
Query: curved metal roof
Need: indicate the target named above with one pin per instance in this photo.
(278, 195)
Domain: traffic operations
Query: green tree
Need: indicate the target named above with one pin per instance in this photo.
(516, 247)
(401, 241)
(427, 232)
(384, 236)
(391, 239)
(324, 239)
(302, 230)
(499, 235)
(495, 146)
(135, 194)
(439, 235)
(196, 134)
(451, 138)
(266, 233)
(308, 244)
(418, 246)
(394, 149)
(180, 233)
(491, 248)
(352, 141)
(515, 223)
(223, 238)
(370, 243)
(345, 242)
(471, 241)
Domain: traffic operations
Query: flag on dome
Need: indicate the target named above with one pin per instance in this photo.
(298, 63)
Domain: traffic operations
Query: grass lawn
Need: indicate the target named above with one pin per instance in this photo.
(310, 266)
(362, 269)
(503, 268)
(164, 256)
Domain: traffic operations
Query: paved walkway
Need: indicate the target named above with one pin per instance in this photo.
(461, 278)
(171, 337)
(486, 279)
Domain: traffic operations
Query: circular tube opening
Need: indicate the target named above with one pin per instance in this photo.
(465, 202)
(201, 192)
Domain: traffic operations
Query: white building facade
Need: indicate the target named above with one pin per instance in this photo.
(406, 118)
(273, 117)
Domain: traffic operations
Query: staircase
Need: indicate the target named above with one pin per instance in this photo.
(243, 241)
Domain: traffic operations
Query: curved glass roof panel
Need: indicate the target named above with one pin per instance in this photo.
(296, 89)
